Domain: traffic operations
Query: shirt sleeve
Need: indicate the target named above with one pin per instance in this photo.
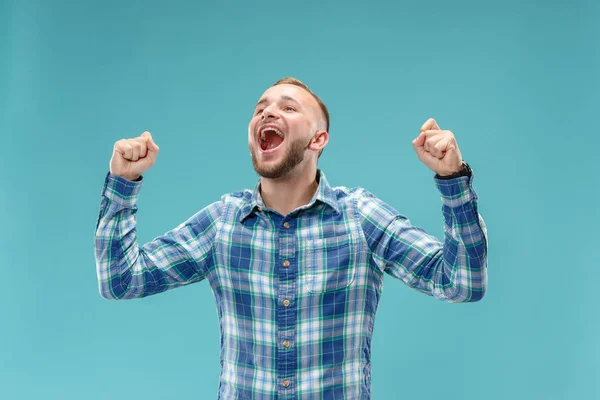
(127, 270)
(454, 270)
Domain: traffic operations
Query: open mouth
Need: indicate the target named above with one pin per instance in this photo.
(269, 138)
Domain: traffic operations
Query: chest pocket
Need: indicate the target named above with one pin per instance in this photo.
(330, 262)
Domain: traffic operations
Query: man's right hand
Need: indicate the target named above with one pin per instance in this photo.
(132, 157)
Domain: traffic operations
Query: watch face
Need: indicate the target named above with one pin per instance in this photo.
(466, 171)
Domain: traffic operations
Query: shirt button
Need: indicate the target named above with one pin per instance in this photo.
(286, 344)
(286, 303)
(286, 263)
(285, 383)
(286, 225)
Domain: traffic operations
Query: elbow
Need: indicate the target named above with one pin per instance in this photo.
(478, 290)
(475, 289)
(464, 294)
(112, 292)
(114, 286)
(107, 294)
(476, 295)
(104, 290)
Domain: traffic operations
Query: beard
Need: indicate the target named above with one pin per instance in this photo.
(291, 159)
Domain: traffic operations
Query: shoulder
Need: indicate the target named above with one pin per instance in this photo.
(355, 195)
(233, 200)
(239, 198)
(364, 202)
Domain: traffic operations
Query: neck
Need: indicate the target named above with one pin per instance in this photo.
(286, 194)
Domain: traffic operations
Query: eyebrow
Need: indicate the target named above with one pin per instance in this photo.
(283, 97)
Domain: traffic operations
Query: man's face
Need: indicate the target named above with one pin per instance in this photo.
(285, 121)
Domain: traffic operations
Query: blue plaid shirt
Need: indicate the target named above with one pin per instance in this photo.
(296, 295)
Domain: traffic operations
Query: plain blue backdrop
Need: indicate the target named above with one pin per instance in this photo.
(517, 82)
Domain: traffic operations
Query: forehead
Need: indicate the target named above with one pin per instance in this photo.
(297, 93)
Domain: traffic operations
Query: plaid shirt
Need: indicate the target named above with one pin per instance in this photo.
(296, 295)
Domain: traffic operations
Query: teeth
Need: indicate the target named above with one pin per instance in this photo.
(269, 128)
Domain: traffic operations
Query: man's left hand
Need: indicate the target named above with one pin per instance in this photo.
(437, 149)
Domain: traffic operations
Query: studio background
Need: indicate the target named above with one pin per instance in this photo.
(516, 82)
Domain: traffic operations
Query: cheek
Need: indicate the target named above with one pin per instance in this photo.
(305, 125)
(251, 126)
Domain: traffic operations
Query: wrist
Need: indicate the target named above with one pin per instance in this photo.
(136, 178)
(464, 171)
(121, 190)
(131, 178)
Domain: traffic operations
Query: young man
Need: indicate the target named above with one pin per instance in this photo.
(296, 266)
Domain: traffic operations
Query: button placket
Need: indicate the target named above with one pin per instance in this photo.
(287, 322)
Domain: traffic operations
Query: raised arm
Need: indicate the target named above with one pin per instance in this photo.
(179, 257)
(454, 270)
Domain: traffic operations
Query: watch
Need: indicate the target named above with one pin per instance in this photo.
(465, 171)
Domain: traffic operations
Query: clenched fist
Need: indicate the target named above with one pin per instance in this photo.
(437, 149)
(132, 157)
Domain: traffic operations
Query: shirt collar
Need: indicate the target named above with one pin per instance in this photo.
(324, 194)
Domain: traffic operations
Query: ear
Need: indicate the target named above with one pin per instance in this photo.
(319, 141)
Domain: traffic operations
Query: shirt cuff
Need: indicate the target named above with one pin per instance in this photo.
(456, 192)
(121, 190)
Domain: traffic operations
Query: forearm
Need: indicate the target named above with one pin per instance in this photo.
(452, 270)
(127, 270)
(118, 260)
(461, 272)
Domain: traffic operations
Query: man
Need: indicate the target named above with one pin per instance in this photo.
(296, 266)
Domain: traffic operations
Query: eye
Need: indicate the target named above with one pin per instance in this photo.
(259, 111)
(289, 108)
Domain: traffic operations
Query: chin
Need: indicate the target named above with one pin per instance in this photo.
(282, 163)
(269, 171)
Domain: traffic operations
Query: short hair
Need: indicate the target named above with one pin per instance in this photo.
(296, 82)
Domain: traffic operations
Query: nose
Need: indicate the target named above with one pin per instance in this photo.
(269, 113)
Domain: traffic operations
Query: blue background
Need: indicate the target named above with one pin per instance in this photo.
(516, 82)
